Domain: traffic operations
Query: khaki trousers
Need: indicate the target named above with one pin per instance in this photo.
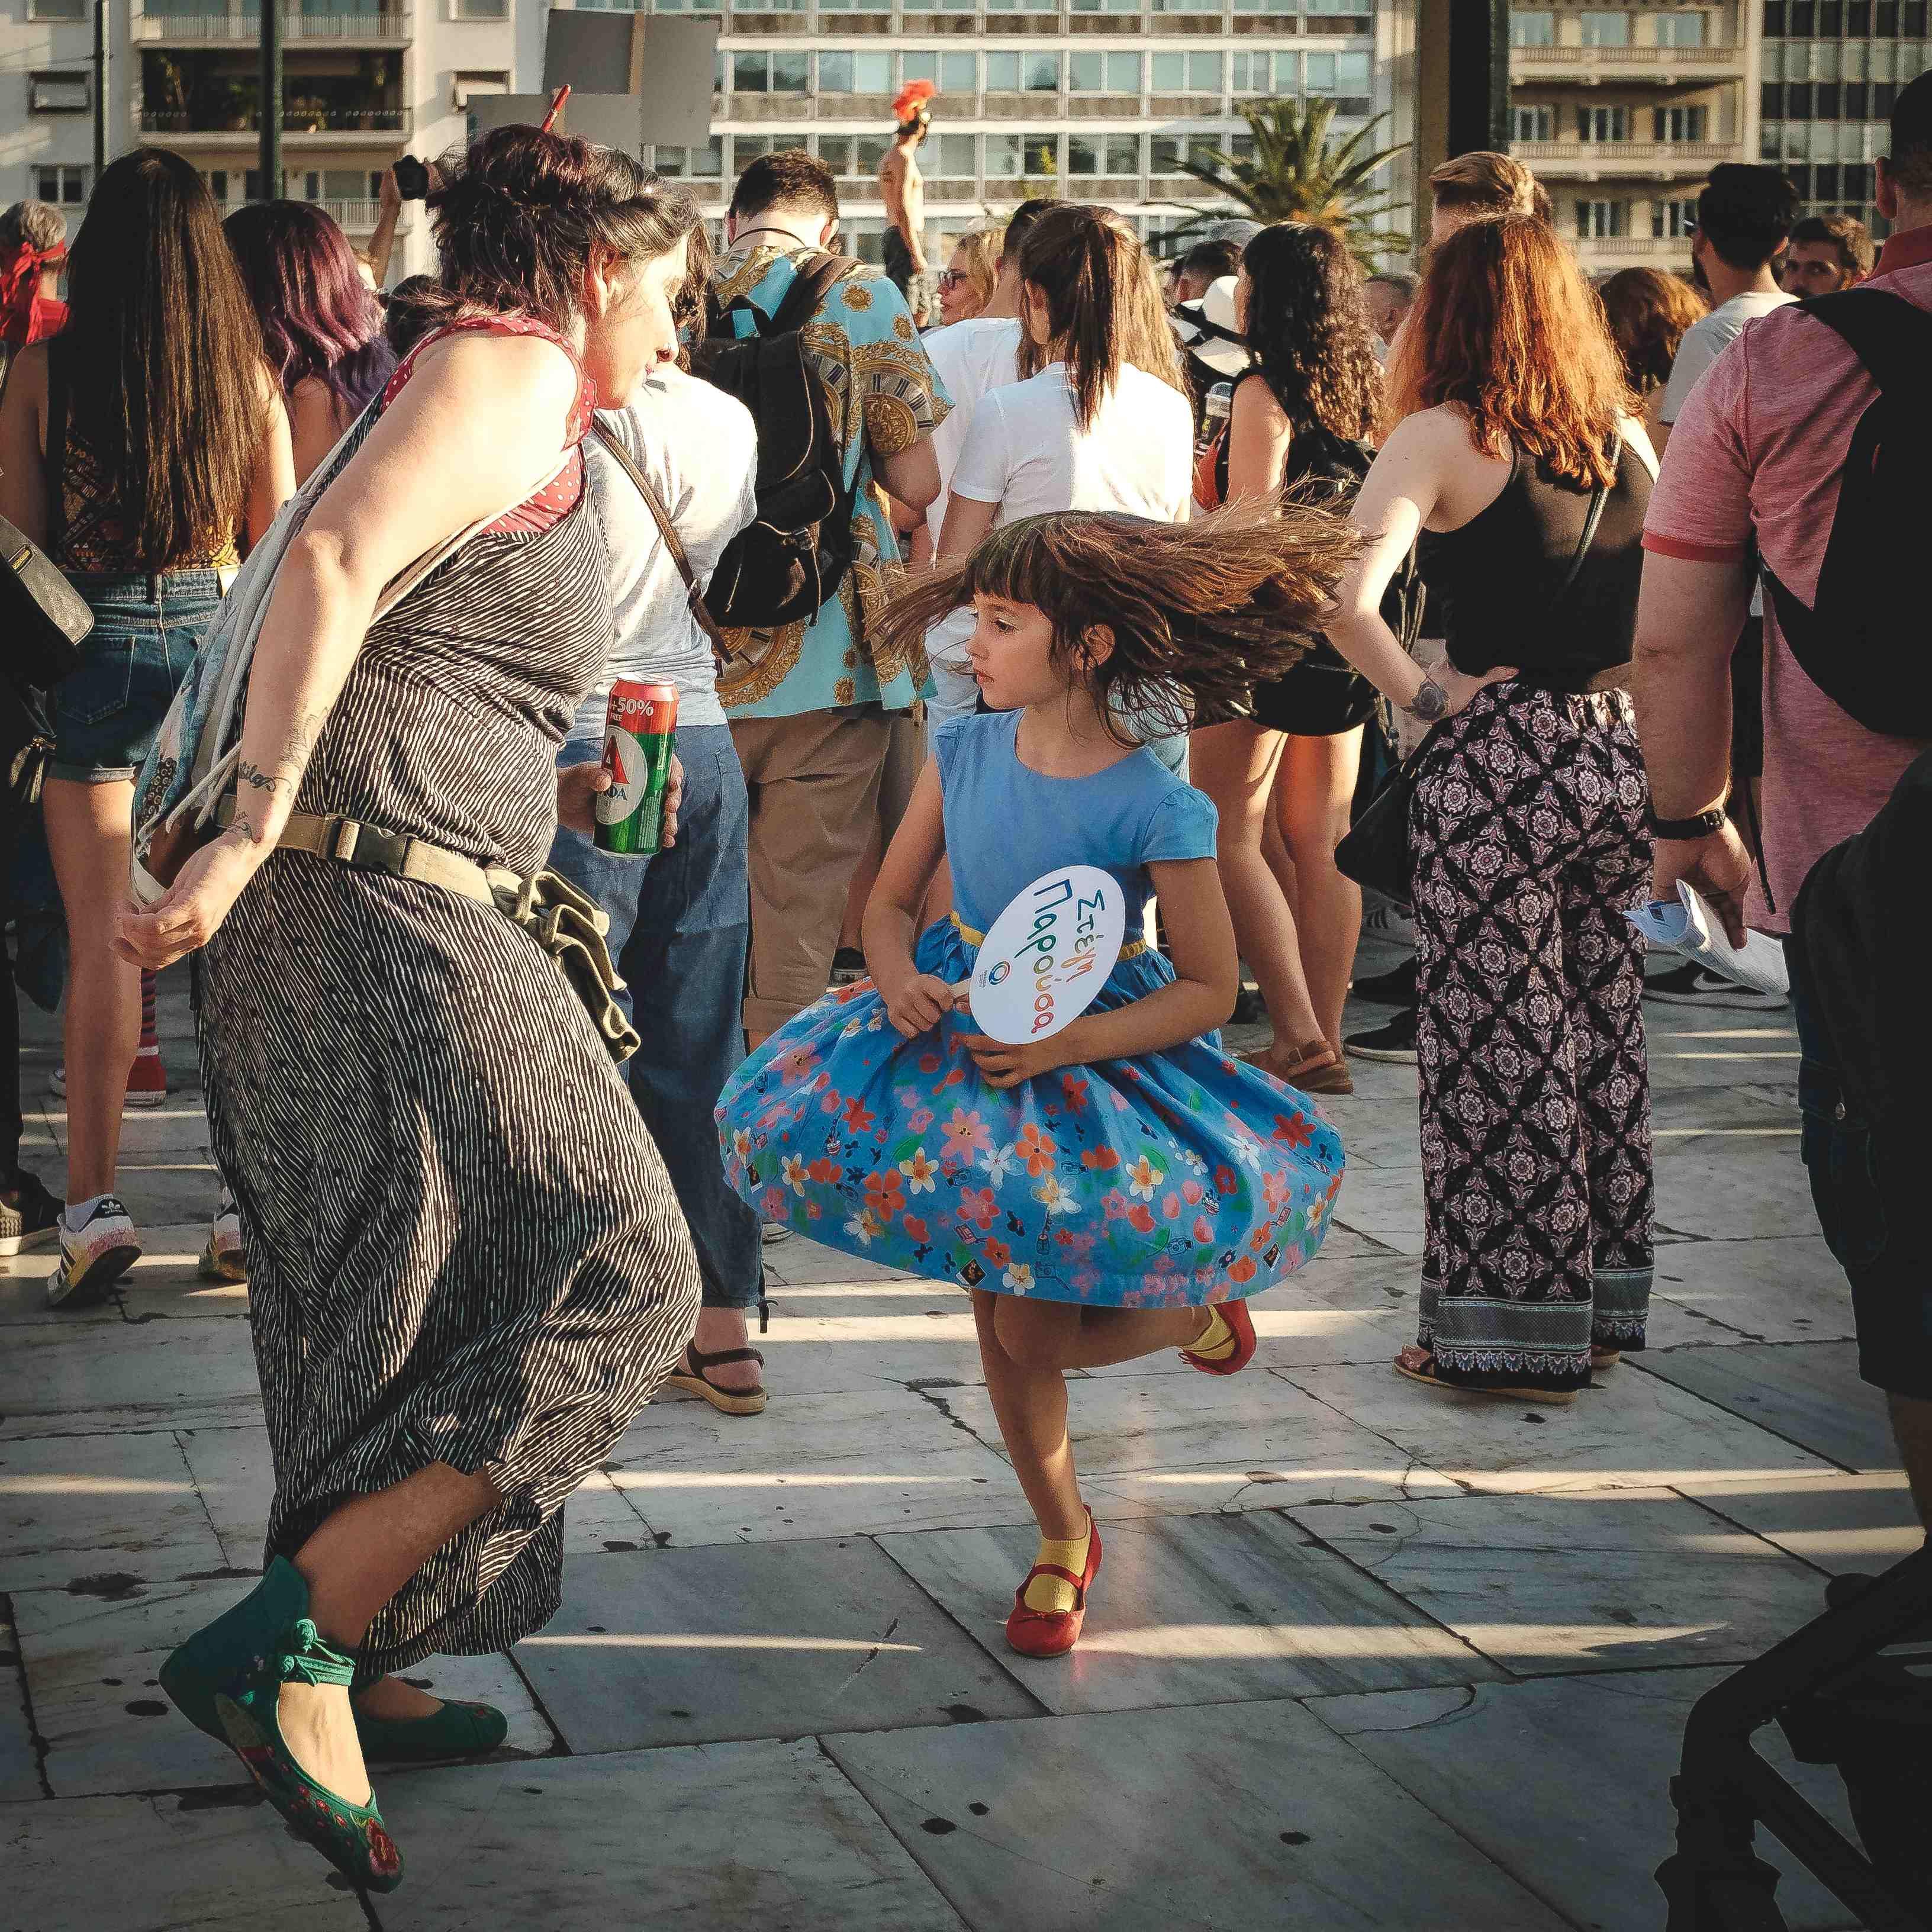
(813, 781)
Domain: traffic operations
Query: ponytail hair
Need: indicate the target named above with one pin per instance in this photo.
(1199, 612)
(1087, 266)
(520, 215)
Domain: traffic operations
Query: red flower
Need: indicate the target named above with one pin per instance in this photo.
(1170, 1206)
(1202, 1231)
(997, 1252)
(928, 1063)
(1115, 1203)
(1243, 1270)
(1224, 1180)
(1075, 1091)
(885, 1192)
(916, 1228)
(1191, 1192)
(977, 1204)
(858, 1117)
(1101, 1160)
(832, 1101)
(1294, 1129)
(1140, 1219)
(1037, 1149)
(827, 1173)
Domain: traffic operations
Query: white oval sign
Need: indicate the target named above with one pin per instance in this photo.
(1046, 956)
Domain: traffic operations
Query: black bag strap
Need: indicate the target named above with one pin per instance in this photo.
(1599, 497)
(1890, 336)
(809, 287)
(673, 543)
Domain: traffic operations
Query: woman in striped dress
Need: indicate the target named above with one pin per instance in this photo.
(468, 1270)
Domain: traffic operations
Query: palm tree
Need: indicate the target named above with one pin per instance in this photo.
(1295, 174)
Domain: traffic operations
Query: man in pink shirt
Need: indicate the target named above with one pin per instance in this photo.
(1755, 458)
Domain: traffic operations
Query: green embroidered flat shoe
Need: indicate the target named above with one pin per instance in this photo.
(351, 1837)
(457, 1730)
(201, 1666)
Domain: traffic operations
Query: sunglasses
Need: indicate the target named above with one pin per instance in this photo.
(950, 279)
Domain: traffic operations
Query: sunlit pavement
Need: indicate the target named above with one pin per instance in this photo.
(1360, 1655)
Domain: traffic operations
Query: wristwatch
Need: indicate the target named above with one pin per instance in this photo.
(1700, 826)
(1430, 702)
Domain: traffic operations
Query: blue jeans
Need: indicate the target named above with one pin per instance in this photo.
(680, 923)
(146, 632)
(1873, 1219)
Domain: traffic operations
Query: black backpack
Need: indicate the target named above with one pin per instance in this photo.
(788, 563)
(1861, 641)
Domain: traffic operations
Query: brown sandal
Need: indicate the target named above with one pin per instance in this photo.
(689, 1376)
(1317, 1068)
(1427, 1375)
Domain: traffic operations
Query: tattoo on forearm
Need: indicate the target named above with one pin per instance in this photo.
(270, 782)
(303, 732)
(285, 774)
(246, 830)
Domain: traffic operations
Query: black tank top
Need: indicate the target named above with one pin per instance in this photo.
(1494, 584)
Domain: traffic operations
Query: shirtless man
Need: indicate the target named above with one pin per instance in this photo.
(904, 189)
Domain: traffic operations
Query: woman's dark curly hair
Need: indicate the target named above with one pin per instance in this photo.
(1309, 327)
(1648, 312)
(520, 213)
(1199, 611)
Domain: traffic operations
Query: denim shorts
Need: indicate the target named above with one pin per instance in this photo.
(1871, 1217)
(146, 632)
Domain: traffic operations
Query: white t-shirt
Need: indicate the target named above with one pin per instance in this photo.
(1706, 339)
(700, 448)
(971, 357)
(1025, 452)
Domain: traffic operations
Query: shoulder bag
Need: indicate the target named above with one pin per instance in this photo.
(1375, 852)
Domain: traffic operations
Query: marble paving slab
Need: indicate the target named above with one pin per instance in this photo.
(743, 1834)
(796, 1262)
(1632, 1430)
(1201, 1609)
(1546, 1584)
(753, 1640)
(19, 1776)
(1083, 1818)
(1183, 1445)
(1724, 1187)
(1784, 1290)
(1375, 1133)
(919, 1332)
(160, 1865)
(1677, 1114)
(59, 1381)
(1807, 1391)
(869, 1460)
(1385, 1203)
(1865, 1522)
(1720, 1050)
(598, 1518)
(235, 1473)
(75, 1506)
(1587, 1828)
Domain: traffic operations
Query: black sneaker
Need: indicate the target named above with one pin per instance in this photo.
(1691, 984)
(1395, 988)
(28, 1213)
(1250, 1009)
(1395, 1042)
(848, 965)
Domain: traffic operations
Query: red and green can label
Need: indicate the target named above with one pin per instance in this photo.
(640, 734)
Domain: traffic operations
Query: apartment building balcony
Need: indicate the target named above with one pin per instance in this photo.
(1625, 160)
(241, 27)
(333, 98)
(303, 128)
(1594, 67)
(1606, 254)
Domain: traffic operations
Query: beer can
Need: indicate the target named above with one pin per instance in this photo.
(640, 734)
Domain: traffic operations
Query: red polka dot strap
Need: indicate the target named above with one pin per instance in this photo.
(562, 493)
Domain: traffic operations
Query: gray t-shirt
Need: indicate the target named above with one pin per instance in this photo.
(699, 449)
(1706, 339)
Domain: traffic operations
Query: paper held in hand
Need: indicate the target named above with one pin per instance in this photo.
(1690, 927)
(1047, 956)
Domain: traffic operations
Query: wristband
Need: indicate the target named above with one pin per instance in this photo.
(1699, 826)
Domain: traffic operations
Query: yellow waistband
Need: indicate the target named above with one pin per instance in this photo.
(1132, 949)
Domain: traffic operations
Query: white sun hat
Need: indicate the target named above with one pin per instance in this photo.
(1208, 332)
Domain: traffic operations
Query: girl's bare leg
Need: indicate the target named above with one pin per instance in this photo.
(1313, 797)
(1029, 1405)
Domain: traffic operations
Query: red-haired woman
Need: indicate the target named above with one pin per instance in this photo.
(1527, 829)
(467, 1268)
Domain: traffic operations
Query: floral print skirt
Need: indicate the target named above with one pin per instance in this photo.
(1164, 1181)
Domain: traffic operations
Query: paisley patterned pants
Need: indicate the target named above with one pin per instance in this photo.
(1529, 842)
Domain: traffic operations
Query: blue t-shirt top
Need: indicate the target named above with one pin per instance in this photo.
(1005, 823)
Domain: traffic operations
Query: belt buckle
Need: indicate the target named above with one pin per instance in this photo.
(372, 848)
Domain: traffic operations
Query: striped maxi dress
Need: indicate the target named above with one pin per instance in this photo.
(463, 1245)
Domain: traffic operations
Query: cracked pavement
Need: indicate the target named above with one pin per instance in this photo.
(1360, 1655)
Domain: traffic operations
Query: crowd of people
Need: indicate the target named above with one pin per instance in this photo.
(1151, 567)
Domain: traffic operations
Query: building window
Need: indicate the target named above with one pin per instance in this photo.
(1017, 157)
(762, 72)
(929, 6)
(1680, 30)
(1116, 154)
(1673, 221)
(1021, 6)
(1532, 124)
(65, 187)
(1602, 221)
(857, 157)
(1682, 123)
(57, 93)
(57, 10)
(1259, 6)
(855, 73)
(485, 9)
(952, 157)
(1344, 78)
(951, 73)
(1603, 124)
(1187, 6)
(705, 164)
(1265, 73)
(1186, 73)
(1532, 27)
(1605, 29)
(1103, 73)
(1027, 73)
(1104, 6)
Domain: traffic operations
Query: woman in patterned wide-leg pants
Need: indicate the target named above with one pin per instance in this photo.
(1528, 842)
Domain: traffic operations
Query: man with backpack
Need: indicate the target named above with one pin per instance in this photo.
(799, 594)
(1802, 448)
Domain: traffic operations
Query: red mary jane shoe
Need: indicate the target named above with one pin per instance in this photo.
(1054, 1632)
(1242, 1325)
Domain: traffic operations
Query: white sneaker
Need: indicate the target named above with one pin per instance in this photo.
(1390, 924)
(96, 1251)
(225, 1258)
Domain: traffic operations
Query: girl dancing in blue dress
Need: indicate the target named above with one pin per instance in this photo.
(1124, 1186)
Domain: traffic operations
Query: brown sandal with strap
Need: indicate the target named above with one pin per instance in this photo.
(1316, 1068)
(689, 1376)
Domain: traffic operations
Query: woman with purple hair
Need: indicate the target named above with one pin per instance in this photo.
(322, 327)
